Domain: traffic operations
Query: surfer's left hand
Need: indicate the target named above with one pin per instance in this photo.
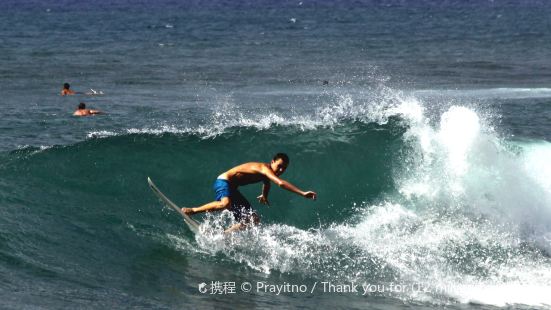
(263, 200)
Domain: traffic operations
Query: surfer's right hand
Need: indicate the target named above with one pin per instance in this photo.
(310, 195)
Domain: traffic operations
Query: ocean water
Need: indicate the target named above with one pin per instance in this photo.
(424, 128)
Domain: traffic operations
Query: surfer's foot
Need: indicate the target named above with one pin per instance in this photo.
(235, 227)
(188, 211)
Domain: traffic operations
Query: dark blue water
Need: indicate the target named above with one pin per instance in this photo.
(424, 127)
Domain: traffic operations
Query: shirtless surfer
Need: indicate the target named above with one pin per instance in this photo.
(83, 111)
(229, 197)
(67, 90)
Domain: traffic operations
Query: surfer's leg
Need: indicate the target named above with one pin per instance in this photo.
(224, 203)
(252, 220)
(247, 219)
(240, 207)
(234, 227)
(222, 199)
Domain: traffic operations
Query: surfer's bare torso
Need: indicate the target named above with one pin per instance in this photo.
(249, 173)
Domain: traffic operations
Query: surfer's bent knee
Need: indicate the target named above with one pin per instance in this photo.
(225, 203)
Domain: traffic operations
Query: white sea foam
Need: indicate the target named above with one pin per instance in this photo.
(343, 108)
(35, 150)
(449, 258)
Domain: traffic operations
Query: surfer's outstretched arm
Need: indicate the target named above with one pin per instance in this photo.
(287, 185)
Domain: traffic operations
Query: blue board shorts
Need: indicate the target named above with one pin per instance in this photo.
(239, 206)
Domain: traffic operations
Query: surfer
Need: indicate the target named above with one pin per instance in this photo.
(229, 197)
(83, 111)
(67, 90)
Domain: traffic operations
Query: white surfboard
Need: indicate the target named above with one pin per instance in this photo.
(191, 223)
(93, 92)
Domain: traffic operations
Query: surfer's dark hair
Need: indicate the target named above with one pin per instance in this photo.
(66, 86)
(81, 106)
(281, 156)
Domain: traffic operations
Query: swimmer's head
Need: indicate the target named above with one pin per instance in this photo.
(66, 86)
(82, 106)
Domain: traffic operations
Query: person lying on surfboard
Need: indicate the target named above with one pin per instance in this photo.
(229, 197)
(67, 91)
(83, 111)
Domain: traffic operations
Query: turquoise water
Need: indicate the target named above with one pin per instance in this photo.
(423, 128)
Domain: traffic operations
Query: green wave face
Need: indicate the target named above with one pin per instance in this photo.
(346, 165)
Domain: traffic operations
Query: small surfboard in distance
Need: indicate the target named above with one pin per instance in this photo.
(191, 223)
(93, 92)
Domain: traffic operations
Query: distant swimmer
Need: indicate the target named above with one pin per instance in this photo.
(67, 90)
(228, 196)
(83, 111)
